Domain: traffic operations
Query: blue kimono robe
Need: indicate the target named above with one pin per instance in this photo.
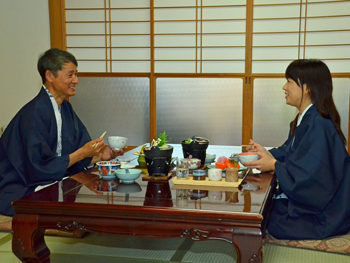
(314, 173)
(28, 149)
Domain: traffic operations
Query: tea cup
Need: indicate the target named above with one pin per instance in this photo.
(117, 142)
(215, 174)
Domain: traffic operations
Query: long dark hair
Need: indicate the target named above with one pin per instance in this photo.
(316, 75)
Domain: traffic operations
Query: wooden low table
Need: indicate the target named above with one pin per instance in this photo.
(151, 210)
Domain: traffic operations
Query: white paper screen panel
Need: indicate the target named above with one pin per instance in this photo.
(131, 66)
(86, 41)
(130, 15)
(92, 66)
(108, 104)
(227, 26)
(172, 3)
(129, 4)
(109, 40)
(263, 2)
(131, 41)
(272, 116)
(224, 12)
(223, 53)
(285, 25)
(91, 53)
(210, 107)
(175, 14)
(328, 38)
(130, 28)
(210, 32)
(130, 53)
(172, 40)
(236, 40)
(279, 35)
(222, 2)
(327, 9)
(85, 15)
(85, 3)
(85, 28)
(175, 66)
(175, 27)
(223, 66)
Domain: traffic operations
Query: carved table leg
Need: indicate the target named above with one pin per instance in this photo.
(249, 245)
(28, 242)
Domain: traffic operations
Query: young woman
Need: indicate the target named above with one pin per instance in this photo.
(312, 166)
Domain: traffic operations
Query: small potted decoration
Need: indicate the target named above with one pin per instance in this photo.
(158, 156)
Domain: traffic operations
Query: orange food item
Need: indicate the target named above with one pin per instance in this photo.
(230, 163)
(220, 165)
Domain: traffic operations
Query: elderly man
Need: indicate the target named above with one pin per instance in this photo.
(46, 140)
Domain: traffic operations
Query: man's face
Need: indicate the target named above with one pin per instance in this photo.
(64, 83)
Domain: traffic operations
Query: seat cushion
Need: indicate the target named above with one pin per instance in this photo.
(336, 244)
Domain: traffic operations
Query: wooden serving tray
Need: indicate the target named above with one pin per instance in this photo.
(206, 182)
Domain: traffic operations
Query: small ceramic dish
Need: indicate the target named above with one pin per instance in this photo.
(193, 163)
(248, 157)
(209, 158)
(130, 177)
(107, 168)
(117, 142)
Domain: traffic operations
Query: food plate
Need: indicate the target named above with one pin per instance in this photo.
(242, 168)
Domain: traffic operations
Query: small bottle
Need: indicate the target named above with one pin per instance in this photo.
(199, 175)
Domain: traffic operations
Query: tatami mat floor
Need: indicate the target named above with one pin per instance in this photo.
(98, 248)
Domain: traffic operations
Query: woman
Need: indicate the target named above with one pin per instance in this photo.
(312, 166)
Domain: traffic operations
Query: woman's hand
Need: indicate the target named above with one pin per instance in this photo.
(266, 163)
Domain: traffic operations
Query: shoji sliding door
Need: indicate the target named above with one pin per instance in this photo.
(213, 68)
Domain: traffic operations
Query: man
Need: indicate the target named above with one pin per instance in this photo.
(46, 140)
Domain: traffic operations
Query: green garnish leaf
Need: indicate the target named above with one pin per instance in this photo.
(188, 141)
(162, 138)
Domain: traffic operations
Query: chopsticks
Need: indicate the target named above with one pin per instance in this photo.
(245, 174)
(96, 144)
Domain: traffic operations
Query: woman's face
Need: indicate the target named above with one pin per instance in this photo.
(293, 93)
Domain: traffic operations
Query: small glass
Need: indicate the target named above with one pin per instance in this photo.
(182, 196)
(182, 170)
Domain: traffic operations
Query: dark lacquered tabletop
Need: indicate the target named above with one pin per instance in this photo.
(88, 187)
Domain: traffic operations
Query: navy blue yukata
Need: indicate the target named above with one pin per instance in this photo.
(313, 171)
(28, 149)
